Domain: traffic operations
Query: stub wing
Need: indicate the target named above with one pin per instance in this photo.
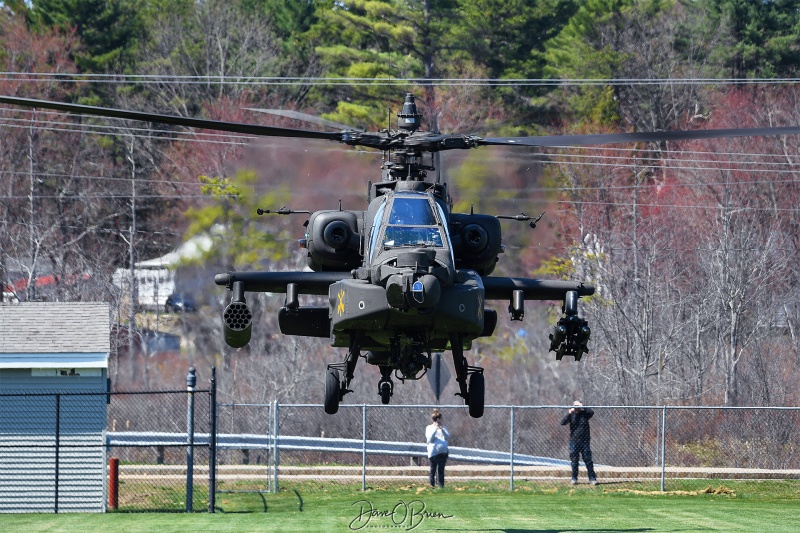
(238, 318)
(499, 288)
(305, 282)
(571, 334)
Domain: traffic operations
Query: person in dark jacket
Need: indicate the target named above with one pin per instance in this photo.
(578, 420)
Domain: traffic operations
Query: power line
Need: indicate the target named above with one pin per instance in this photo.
(32, 77)
(141, 181)
(120, 131)
(565, 248)
(496, 196)
(644, 205)
(545, 158)
(560, 158)
(676, 167)
(190, 136)
(291, 240)
(80, 197)
(567, 204)
(124, 131)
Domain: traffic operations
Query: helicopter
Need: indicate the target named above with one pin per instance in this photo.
(405, 277)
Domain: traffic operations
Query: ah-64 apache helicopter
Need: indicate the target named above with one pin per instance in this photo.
(406, 277)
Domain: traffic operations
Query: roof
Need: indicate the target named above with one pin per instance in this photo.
(194, 248)
(54, 327)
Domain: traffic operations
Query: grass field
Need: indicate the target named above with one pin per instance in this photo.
(697, 506)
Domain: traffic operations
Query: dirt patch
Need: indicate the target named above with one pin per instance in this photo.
(708, 490)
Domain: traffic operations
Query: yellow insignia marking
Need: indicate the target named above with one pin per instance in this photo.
(340, 307)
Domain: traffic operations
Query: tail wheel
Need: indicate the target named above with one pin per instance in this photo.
(332, 391)
(385, 392)
(476, 389)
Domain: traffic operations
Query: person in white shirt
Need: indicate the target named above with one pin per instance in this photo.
(436, 435)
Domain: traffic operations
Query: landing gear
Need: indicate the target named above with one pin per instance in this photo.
(332, 391)
(474, 393)
(385, 385)
(335, 388)
(385, 392)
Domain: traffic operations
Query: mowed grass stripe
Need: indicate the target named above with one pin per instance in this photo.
(755, 507)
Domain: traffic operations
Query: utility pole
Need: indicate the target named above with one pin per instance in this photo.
(132, 254)
(31, 290)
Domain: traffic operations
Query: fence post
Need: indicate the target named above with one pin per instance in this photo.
(270, 458)
(663, 445)
(275, 458)
(212, 452)
(511, 447)
(58, 445)
(113, 481)
(363, 447)
(191, 381)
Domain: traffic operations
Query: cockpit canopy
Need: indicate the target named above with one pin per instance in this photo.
(412, 223)
(412, 211)
(409, 220)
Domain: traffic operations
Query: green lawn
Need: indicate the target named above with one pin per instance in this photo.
(729, 506)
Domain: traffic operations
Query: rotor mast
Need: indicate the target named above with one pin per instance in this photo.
(405, 163)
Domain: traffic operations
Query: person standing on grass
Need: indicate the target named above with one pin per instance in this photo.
(436, 435)
(578, 419)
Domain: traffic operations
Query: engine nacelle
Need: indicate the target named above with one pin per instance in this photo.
(476, 241)
(333, 241)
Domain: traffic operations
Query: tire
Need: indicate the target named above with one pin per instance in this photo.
(386, 392)
(332, 390)
(476, 389)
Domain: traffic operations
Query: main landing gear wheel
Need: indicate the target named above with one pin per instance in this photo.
(469, 378)
(385, 385)
(332, 391)
(385, 390)
(476, 389)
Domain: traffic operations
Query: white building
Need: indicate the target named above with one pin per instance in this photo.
(155, 278)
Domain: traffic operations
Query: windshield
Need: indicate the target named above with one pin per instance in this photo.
(412, 223)
(412, 236)
(412, 212)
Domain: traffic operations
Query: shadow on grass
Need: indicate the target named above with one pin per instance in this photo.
(591, 530)
(261, 494)
(605, 530)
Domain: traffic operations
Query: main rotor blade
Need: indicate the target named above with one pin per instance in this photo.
(233, 127)
(429, 141)
(654, 136)
(305, 117)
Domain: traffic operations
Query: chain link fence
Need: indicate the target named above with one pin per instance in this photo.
(97, 451)
(148, 435)
(513, 447)
(177, 450)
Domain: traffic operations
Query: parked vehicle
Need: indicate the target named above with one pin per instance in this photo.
(180, 303)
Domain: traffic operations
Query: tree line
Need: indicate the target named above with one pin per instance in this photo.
(693, 246)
